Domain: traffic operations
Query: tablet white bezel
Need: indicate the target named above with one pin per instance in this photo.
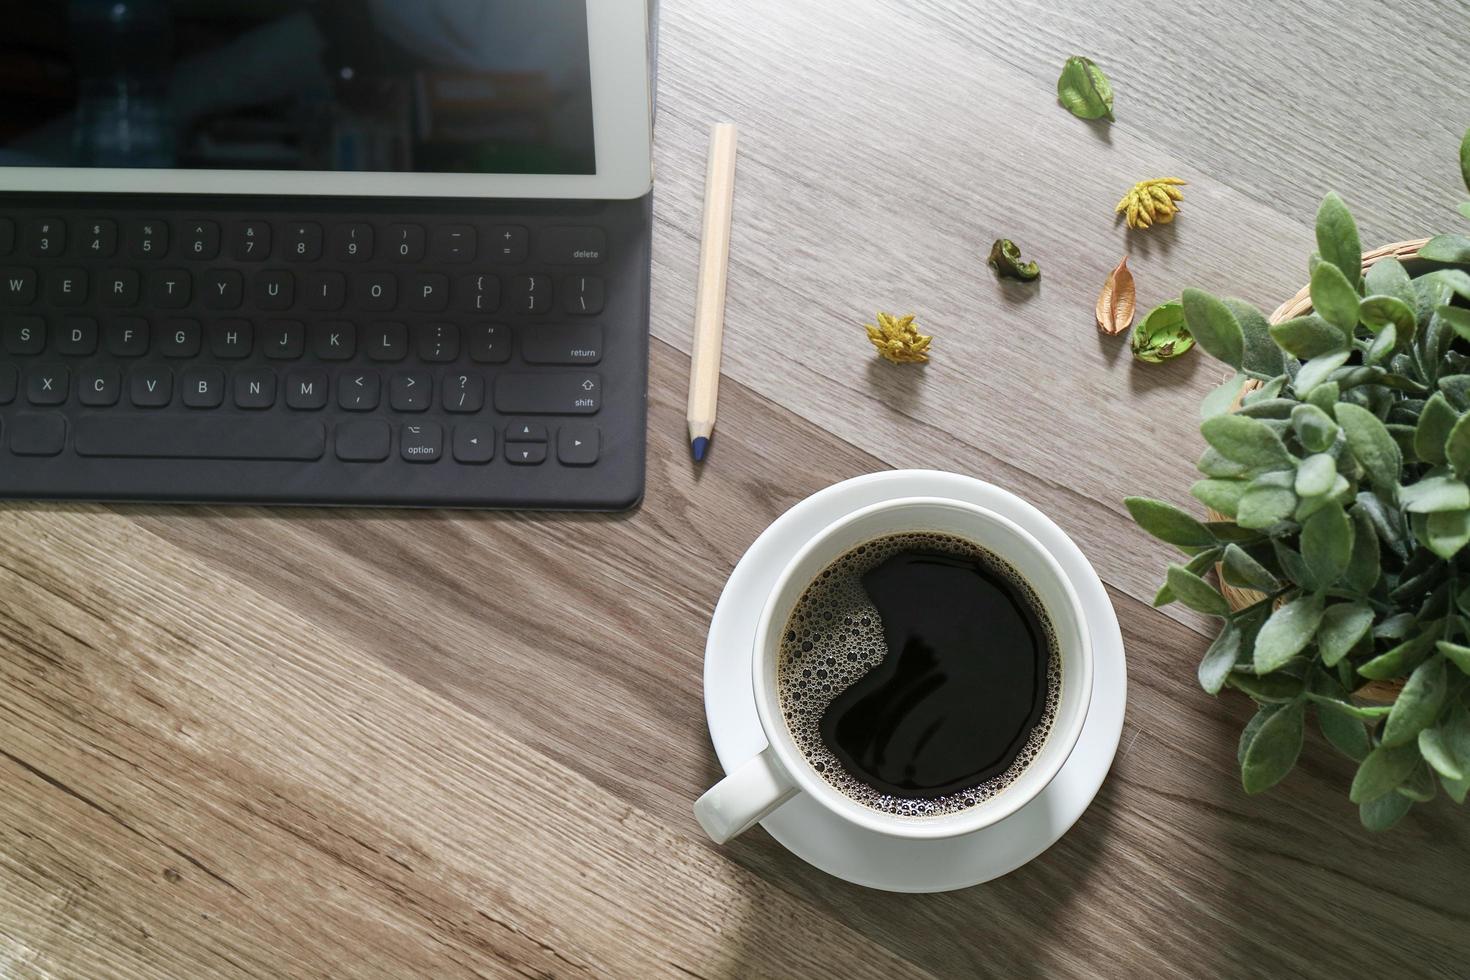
(617, 41)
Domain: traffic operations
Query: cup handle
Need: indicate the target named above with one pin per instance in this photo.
(744, 798)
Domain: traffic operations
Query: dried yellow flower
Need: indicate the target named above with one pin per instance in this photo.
(898, 340)
(1152, 202)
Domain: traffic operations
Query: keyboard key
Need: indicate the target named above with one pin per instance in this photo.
(99, 238)
(406, 243)
(147, 239)
(23, 334)
(526, 453)
(363, 442)
(375, 292)
(7, 236)
(529, 294)
(452, 243)
(37, 435)
(203, 387)
(47, 384)
(169, 289)
(231, 339)
(410, 392)
(573, 246)
(127, 336)
(477, 294)
(428, 293)
(99, 387)
(224, 289)
(422, 442)
(9, 382)
(352, 243)
(303, 241)
(577, 444)
(119, 287)
(306, 391)
(525, 432)
(201, 437)
(250, 241)
(284, 340)
(437, 343)
(489, 343)
(325, 291)
(474, 442)
(582, 295)
(78, 336)
(359, 391)
(45, 238)
(66, 287)
(255, 389)
(273, 289)
(150, 387)
(464, 393)
(201, 240)
(180, 338)
(508, 243)
(387, 342)
(548, 394)
(334, 340)
(580, 344)
(17, 287)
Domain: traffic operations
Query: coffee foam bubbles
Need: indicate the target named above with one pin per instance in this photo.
(834, 636)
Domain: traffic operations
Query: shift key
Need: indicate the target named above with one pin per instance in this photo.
(568, 393)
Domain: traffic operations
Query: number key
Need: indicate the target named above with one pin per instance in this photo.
(303, 241)
(406, 243)
(46, 237)
(251, 241)
(99, 238)
(352, 243)
(201, 240)
(7, 236)
(147, 239)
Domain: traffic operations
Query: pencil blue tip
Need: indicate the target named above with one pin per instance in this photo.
(698, 447)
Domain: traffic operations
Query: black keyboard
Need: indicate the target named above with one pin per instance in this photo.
(351, 352)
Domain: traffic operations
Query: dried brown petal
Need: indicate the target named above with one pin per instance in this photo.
(1115, 302)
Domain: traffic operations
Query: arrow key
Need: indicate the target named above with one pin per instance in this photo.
(577, 445)
(474, 442)
(526, 453)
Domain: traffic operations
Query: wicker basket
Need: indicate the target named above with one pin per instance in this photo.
(1300, 305)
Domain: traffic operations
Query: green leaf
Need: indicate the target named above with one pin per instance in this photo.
(1168, 523)
(1222, 399)
(1327, 543)
(1344, 731)
(1314, 428)
(1270, 689)
(1262, 358)
(1380, 312)
(1383, 345)
(1457, 446)
(1455, 654)
(1247, 441)
(1220, 495)
(1195, 592)
(1324, 395)
(1384, 812)
(1456, 317)
(1271, 408)
(1337, 239)
(1263, 507)
(1219, 659)
(1316, 475)
(1438, 750)
(1447, 248)
(1240, 569)
(1248, 733)
(1364, 567)
(1212, 464)
(1418, 703)
(1371, 444)
(1434, 494)
(1455, 734)
(1315, 371)
(1399, 660)
(1387, 521)
(1388, 277)
(1273, 751)
(1383, 771)
(1465, 159)
(1419, 787)
(1343, 626)
(1214, 327)
(1363, 712)
(1448, 532)
(1084, 90)
(1308, 336)
(1287, 632)
(1456, 388)
(1161, 335)
(1335, 298)
(1435, 422)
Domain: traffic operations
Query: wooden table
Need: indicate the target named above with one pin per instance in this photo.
(305, 742)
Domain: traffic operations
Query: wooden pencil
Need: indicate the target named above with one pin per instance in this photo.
(709, 301)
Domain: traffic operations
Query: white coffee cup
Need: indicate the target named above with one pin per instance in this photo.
(760, 785)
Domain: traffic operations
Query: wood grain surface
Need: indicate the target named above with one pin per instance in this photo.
(306, 743)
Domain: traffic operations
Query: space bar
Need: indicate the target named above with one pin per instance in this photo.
(201, 438)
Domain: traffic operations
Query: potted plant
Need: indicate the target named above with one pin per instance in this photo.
(1338, 464)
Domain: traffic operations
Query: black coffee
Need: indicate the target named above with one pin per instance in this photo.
(919, 674)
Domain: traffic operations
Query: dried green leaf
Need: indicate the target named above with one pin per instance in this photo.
(1162, 334)
(1084, 90)
(1287, 632)
(1337, 239)
(1005, 259)
(1465, 159)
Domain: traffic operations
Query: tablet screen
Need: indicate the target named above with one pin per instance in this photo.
(430, 86)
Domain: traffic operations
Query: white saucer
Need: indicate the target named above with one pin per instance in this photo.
(859, 855)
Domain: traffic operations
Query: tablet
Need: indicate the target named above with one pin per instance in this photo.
(546, 99)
